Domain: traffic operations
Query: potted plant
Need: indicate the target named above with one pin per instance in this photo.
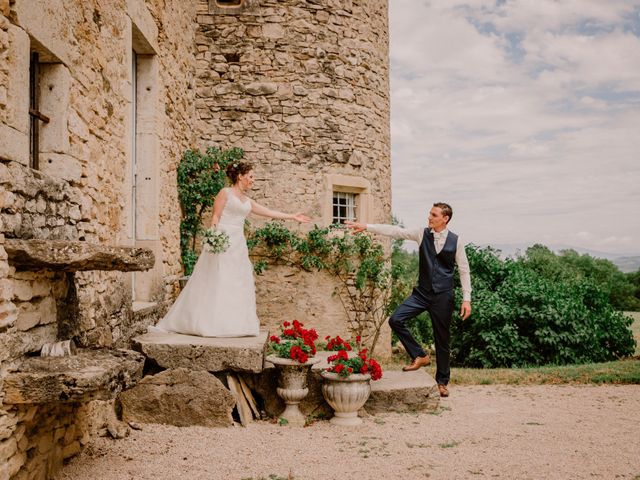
(292, 352)
(347, 386)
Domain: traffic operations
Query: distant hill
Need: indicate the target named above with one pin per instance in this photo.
(625, 262)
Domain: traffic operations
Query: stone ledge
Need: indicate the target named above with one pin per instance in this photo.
(89, 375)
(69, 256)
(173, 350)
(399, 391)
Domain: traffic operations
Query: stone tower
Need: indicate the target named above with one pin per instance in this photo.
(303, 87)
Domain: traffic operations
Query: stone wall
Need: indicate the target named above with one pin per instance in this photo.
(34, 441)
(82, 191)
(303, 88)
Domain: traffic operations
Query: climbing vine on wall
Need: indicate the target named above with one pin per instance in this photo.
(201, 175)
(356, 261)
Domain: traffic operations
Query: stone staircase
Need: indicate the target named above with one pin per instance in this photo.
(181, 361)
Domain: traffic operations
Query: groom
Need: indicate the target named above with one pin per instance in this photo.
(439, 251)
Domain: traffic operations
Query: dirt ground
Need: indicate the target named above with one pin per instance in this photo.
(504, 432)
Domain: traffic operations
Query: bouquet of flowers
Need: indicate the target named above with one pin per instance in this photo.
(294, 342)
(215, 241)
(344, 365)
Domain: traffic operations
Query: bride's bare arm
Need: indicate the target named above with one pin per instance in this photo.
(218, 206)
(258, 209)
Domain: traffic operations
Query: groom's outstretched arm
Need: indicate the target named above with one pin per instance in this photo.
(393, 231)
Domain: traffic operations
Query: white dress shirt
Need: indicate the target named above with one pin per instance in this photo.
(439, 240)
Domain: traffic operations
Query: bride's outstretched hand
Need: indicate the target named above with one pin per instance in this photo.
(301, 217)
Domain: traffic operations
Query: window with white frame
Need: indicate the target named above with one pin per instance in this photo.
(344, 206)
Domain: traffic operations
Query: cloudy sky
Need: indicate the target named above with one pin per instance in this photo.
(524, 115)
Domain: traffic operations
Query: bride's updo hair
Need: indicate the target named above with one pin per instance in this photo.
(235, 169)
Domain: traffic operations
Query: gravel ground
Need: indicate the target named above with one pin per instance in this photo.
(510, 432)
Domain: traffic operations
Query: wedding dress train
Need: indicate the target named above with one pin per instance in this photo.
(219, 299)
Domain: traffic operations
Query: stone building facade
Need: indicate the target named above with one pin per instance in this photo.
(115, 80)
(303, 88)
(116, 90)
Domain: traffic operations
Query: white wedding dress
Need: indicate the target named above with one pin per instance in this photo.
(219, 299)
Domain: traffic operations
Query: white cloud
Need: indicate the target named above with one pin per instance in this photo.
(522, 136)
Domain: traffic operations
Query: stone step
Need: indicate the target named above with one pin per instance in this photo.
(396, 391)
(174, 350)
(399, 391)
(87, 375)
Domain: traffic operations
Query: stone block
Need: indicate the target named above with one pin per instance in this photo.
(15, 463)
(179, 397)
(61, 165)
(8, 448)
(173, 350)
(45, 442)
(272, 31)
(89, 375)
(13, 346)
(35, 313)
(8, 316)
(18, 94)
(55, 83)
(261, 88)
(51, 33)
(71, 450)
(7, 426)
(22, 290)
(66, 255)
(399, 391)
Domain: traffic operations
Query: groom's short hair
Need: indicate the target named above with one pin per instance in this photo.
(447, 211)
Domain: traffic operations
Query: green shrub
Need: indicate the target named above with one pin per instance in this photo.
(527, 312)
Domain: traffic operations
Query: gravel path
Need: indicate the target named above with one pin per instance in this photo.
(508, 432)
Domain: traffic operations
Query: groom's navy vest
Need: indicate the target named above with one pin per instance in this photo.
(436, 269)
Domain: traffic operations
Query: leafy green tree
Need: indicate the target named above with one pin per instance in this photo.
(634, 280)
(570, 265)
(533, 311)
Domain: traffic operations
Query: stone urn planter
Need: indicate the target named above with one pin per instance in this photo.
(292, 386)
(346, 395)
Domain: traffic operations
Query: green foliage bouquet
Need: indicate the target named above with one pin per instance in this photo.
(294, 342)
(215, 241)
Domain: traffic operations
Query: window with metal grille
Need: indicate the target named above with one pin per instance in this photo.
(344, 206)
(35, 116)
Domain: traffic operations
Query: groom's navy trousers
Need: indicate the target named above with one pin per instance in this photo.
(440, 309)
(434, 294)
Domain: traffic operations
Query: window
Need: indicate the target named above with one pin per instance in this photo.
(344, 207)
(35, 117)
(228, 3)
(346, 198)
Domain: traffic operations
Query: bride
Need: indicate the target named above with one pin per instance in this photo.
(219, 299)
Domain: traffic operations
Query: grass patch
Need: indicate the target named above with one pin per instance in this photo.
(449, 445)
(619, 372)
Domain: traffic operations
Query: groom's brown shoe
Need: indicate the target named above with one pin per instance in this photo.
(417, 363)
(444, 391)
